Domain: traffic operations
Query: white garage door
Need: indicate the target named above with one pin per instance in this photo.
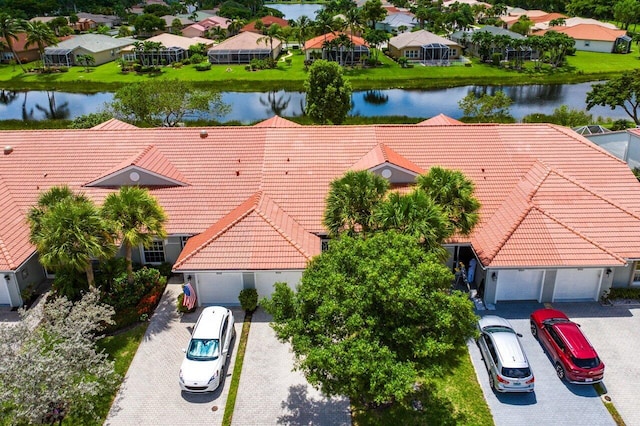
(577, 284)
(266, 279)
(519, 285)
(219, 288)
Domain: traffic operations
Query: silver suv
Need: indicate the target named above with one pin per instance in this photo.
(503, 355)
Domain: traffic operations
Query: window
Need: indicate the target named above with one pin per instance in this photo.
(411, 54)
(556, 338)
(453, 52)
(492, 350)
(154, 253)
(324, 244)
(636, 274)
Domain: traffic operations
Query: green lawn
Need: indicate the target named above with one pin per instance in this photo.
(453, 399)
(584, 66)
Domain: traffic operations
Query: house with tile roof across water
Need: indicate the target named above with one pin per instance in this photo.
(595, 38)
(559, 217)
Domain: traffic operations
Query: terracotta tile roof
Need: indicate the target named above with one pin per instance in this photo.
(114, 124)
(439, 120)
(267, 21)
(246, 41)
(528, 177)
(381, 154)
(318, 42)
(587, 32)
(276, 121)
(150, 160)
(257, 234)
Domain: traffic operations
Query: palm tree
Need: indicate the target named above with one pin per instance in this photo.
(216, 33)
(69, 232)
(235, 25)
(454, 193)
(303, 25)
(351, 202)
(271, 32)
(415, 214)
(9, 29)
(138, 219)
(41, 35)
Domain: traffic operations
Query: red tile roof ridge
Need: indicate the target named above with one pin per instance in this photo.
(595, 194)
(523, 215)
(267, 218)
(219, 228)
(579, 234)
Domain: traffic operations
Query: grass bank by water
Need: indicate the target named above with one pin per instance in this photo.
(584, 66)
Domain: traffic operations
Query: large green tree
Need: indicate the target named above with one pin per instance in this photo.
(138, 219)
(328, 93)
(164, 102)
(69, 232)
(372, 316)
(622, 91)
(56, 365)
(373, 12)
(351, 202)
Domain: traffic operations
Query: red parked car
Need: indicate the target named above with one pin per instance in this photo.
(574, 357)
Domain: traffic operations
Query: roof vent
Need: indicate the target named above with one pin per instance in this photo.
(203, 134)
(8, 149)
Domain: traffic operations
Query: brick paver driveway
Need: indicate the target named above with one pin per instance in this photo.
(553, 402)
(615, 333)
(150, 394)
(271, 393)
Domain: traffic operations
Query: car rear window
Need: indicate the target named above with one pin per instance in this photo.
(516, 373)
(586, 362)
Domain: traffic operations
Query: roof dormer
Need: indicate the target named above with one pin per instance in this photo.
(387, 163)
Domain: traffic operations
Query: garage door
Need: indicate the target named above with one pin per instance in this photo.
(519, 285)
(219, 288)
(266, 279)
(577, 284)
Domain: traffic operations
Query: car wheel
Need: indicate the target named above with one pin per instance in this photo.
(492, 383)
(560, 371)
(534, 329)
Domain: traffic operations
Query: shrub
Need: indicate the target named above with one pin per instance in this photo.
(177, 64)
(203, 67)
(180, 306)
(196, 58)
(248, 299)
(496, 58)
(624, 293)
(622, 124)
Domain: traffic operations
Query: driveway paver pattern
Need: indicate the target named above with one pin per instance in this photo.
(271, 393)
(615, 333)
(553, 402)
(150, 394)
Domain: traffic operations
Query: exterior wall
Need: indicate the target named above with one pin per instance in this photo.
(172, 248)
(30, 273)
(594, 46)
(622, 276)
(406, 51)
(100, 57)
(192, 32)
(633, 151)
(394, 51)
(10, 279)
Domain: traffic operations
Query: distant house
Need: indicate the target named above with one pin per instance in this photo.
(103, 49)
(327, 47)
(536, 16)
(267, 21)
(106, 20)
(595, 38)
(168, 20)
(395, 22)
(423, 46)
(26, 54)
(572, 22)
(244, 47)
(200, 28)
(465, 38)
(174, 48)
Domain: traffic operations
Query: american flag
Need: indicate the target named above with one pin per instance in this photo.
(189, 300)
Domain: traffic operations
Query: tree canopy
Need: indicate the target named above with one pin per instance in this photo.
(622, 91)
(164, 102)
(328, 93)
(57, 364)
(371, 316)
(486, 108)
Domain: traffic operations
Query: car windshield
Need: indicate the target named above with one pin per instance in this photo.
(516, 373)
(203, 350)
(586, 362)
(498, 328)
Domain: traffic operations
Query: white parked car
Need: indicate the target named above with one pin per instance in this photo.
(206, 356)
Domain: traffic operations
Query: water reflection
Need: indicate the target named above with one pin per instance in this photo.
(375, 97)
(247, 107)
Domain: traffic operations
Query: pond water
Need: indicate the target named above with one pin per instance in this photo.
(294, 11)
(247, 107)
